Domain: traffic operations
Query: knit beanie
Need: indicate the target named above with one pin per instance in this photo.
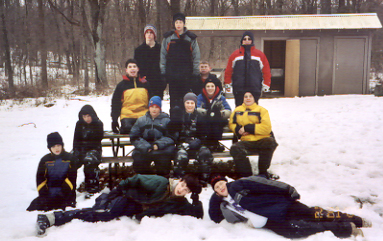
(179, 16)
(190, 96)
(216, 179)
(155, 100)
(209, 80)
(151, 27)
(250, 34)
(54, 139)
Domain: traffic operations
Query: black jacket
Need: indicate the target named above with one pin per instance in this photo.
(88, 136)
(148, 60)
(184, 127)
(259, 195)
(56, 175)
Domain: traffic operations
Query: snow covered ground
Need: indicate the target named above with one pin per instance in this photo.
(330, 149)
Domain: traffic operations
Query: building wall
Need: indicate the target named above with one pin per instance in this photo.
(325, 58)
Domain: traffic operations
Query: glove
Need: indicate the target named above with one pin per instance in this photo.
(194, 197)
(115, 127)
(216, 111)
(294, 194)
(265, 88)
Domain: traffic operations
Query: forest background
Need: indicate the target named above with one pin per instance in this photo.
(46, 44)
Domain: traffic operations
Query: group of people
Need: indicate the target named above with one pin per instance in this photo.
(198, 114)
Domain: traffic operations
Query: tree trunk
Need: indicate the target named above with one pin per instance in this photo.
(96, 29)
(43, 48)
(175, 6)
(326, 6)
(8, 62)
(212, 47)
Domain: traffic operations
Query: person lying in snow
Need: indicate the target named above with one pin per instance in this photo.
(274, 205)
(56, 177)
(139, 196)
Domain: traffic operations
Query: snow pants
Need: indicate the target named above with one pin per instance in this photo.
(126, 125)
(264, 148)
(104, 210)
(47, 203)
(195, 150)
(91, 159)
(215, 130)
(162, 160)
(178, 88)
(303, 221)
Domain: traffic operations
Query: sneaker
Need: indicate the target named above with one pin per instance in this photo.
(366, 223)
(42, 224)
(356, 231)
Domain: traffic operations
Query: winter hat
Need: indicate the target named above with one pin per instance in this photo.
(54, 139)
(250, 34)
(216, 179)
(193, 183)
(155, 100)
(151, 27)
(179, 16)
(88, 110)
(209, 80)
(190, 96)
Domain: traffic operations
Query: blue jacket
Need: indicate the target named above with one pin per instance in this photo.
(259, 195)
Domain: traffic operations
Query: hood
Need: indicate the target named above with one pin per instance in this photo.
(87, 109)
(250, 34)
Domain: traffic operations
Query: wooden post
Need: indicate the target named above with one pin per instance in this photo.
(292, 68)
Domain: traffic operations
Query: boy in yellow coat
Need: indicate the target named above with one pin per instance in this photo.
(251, 124)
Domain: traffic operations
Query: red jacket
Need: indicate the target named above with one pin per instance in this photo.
(252, 77)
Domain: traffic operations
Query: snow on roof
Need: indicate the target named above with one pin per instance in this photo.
(286, 22)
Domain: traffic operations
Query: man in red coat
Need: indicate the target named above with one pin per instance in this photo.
(248, 70)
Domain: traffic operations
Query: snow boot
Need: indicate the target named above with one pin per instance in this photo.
(44, 221)
(205, 160)
(180, 163)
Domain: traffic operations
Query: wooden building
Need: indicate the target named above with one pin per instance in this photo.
(309, 55)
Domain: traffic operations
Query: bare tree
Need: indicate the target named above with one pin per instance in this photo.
(8, 61)
(43, 48)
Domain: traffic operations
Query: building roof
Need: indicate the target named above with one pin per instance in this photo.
(286, 22)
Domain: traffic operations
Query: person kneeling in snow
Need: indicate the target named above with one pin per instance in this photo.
(264, 203)
(56, 177)
(139, 196)
(87, 148)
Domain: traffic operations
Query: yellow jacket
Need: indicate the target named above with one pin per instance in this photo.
(254, 118)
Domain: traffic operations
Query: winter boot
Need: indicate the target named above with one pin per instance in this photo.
(44, 221)
(205, 159)
(180, 163)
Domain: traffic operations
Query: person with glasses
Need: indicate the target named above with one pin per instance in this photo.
(248, 70)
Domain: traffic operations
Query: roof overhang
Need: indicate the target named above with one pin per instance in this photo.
(286, 22)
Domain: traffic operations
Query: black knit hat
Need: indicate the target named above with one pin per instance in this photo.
(209, 80)
(179, 16)
(250, 34)
(54, 139)
(192, 182)
(216, 179)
